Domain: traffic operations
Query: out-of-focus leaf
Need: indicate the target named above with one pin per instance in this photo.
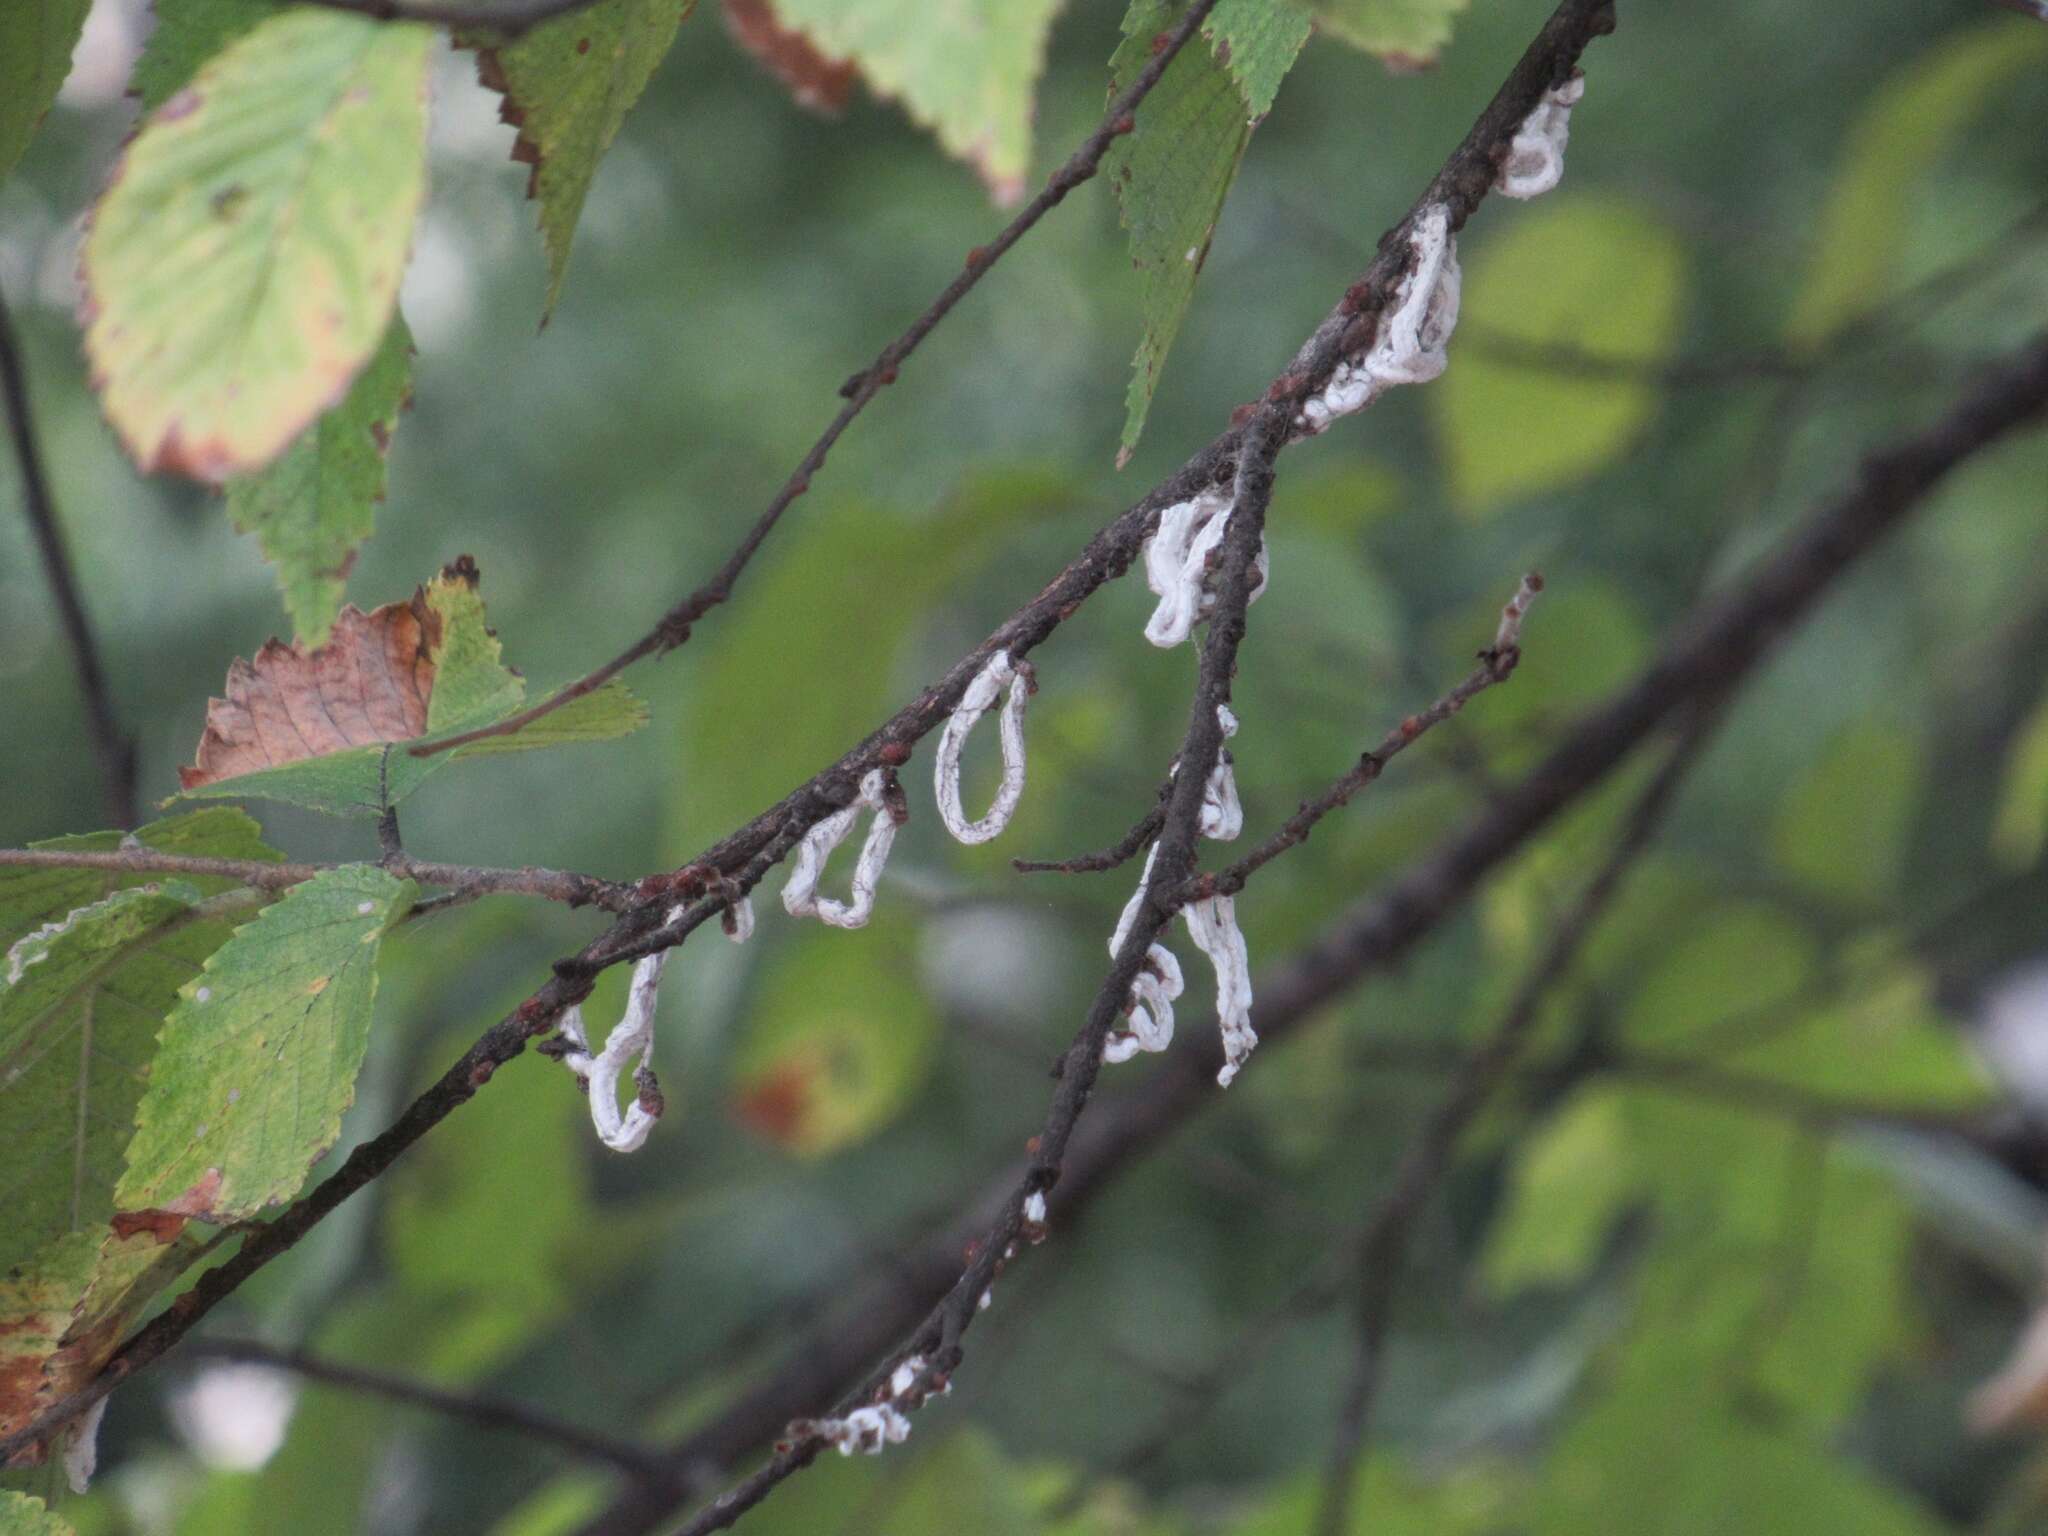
(567, 86)
(965, 1483)
(1172, 173)
(38, 1298)
(1388, 1500)
(1407, 34)
(188, 33)
(259, 1058)
(1910, 123)
(40, 36)
(838, 1040)
(1841, 828)
(2021, 830)
(329, 727)
(1569, 1183)
(314, 505)
(815, 81)
(244, 264)
(964, 70)
(1738, 969)
(1587, 274)
(21, 1515)
(100, 959)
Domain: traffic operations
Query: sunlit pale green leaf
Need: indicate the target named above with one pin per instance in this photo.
(1408, 34)
(188, 33)
(94, 964)
(1171, 174)
(1841, 829)
(964, 70)
(2021, 830)
(838, 1039)
(1737, 973)
(316, 504)
(259, 1058)
(1591, 275)
(569, 84)
(21, 1515)
(40, 35)
(1910, 123)
(1568, 1184)
(245, 262)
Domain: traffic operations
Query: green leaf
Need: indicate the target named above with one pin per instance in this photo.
(259, 1058)
(314, 505)
(41, 35)
(1739, 969)
(21, 1515)
(2020, 831)
(1172, 173)
(1588, 274)
(1408, 34)
(838, 1040)
(964, 70)
(293, 726)
(95, 962)
(244, 264)
(568, 85)
(1572, 1179)
(187, 34)
(1841, 828)
(1912, 121)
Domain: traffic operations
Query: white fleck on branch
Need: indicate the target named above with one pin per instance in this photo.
(881, 1423)
(82, 1447)
(800, 896)
(1411, 346)
(1177, 565)
(979, 698)
(1535, 158)
(631, 1037)
(1153, 989)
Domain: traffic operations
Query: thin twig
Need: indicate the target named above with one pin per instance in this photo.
(112, 748)
(1428, 1157)
(1119, 853)
(673, 629)
(482, 1409)
(468, 880)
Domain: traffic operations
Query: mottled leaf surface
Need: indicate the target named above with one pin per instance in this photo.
(567, 86)
(965, 69)
(93, 963)
(313, 507)
(1172, 173)
(259, 1057)
(244, 264)
(39, 37)
(1407, 34)
(21, 1515)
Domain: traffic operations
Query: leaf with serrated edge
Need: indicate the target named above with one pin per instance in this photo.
(317, 503)
(965, 69)
(1172, 172)
(259, 1058)
(40, 36)
(244, 263)
(1406, 34)
(567, 86)
(330, 728)
(815, 81)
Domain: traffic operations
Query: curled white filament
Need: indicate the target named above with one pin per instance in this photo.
(632, 1036)
(1535, 158)
(739, 920)
(1222, 812)
(800, 896)
(1212, 923)
(979, 698)
(1153, 989)
(1412, 344)
(1177, 565)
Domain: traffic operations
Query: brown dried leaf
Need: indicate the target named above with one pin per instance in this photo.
(368, 685)
(820, 83)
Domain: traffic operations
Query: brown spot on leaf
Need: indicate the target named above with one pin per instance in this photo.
(583, 45)
(183, 104)
(164, 1226)
(820, 83)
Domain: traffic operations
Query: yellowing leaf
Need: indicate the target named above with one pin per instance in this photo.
(1911, 122)
(1590, 274)
(2021, 829)
(567, 86)
(314, 505)
(1407, 34)
(815, 81)
(40, 36)
(245, 262)
(259, 1058)
(964, 69)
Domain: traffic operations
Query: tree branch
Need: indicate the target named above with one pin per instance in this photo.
(481, 1409)
(673, 629)
(112, 748)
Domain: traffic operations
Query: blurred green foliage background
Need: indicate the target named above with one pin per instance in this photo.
(1642, 1304)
